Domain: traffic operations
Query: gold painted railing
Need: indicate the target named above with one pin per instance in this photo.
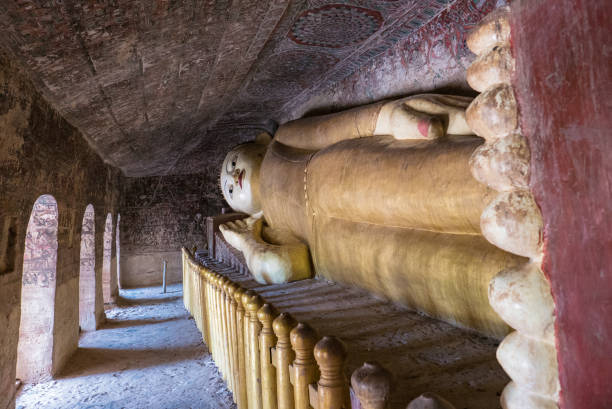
(269, 360)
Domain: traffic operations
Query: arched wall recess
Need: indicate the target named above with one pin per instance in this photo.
(87, 272)
(109, 281)
(35, 347)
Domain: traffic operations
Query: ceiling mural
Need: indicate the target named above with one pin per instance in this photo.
(335, 26)
(158, 86)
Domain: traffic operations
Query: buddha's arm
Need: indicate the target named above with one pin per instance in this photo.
(272, 256)
(426, 116)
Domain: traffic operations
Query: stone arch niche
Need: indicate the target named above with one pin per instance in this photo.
(87, 273)
(109, 280)
(35, 347)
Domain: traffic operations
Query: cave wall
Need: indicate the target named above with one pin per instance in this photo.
(563, 86)
(159, 215)
(42, 154)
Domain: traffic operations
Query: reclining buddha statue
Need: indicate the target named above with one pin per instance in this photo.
(381, 197)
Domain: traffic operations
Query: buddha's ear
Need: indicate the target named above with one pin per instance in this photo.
(263, 138)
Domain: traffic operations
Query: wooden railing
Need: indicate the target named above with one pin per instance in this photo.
(268, 359)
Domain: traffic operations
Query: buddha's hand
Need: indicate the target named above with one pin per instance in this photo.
(426, 116)
(268, 263)
(238, 233)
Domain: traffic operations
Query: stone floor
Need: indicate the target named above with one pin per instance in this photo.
(149, 354)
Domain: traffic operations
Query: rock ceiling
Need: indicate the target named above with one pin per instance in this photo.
(148, 81)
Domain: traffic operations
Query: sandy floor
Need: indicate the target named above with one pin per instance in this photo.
(148, 355)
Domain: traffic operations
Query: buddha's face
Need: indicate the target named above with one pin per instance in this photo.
(240, 177)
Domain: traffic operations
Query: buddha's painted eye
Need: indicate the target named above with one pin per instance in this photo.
(231, 164)
(230, 189)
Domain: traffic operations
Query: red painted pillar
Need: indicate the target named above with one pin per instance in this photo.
(563, 51)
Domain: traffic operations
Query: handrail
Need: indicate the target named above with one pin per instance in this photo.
(267, 359)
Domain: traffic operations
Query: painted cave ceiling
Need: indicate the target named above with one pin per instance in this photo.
(153, 83)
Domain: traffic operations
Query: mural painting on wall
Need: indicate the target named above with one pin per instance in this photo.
(40, 255)
(427, 52)
(159, 221)
(88, 241)
(397, 42)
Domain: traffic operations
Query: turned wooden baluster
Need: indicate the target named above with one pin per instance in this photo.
(233, 342)
(230, 341)
(240, 344)
(430, 400)
(247, 343)
(206, 322)
(218, 334)
(252, 305)
(187, 284)
(332, 387)
(282, 357)
(194, 298)
(191, 285)
(208, 292)
(210, 312)
(213, 314)
(195, 295)
(203, 305)
(267, 341)
(225, 331)
(304, 371)
(372, 385)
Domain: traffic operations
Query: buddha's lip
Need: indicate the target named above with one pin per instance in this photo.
(240, 176)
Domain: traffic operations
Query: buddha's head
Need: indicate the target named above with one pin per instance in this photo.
(240, 177)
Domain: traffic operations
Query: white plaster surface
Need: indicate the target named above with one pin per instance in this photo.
(149, 354)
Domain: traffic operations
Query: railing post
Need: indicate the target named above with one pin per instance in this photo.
(282, 357)
(430, 400)
(332, 387)
(224, 337)
(209, 311)
(304, 369)
(240, 338)
(218, 335)
(185, 286)
(267, 341)
(202, 306)
(253, 304)
(229, 340)
(247, 344)
(233, 341)
(195, 295)
(372, 385)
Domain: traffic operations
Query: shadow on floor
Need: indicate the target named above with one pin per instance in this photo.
(121, 301)
(114, 323)
(90, 361)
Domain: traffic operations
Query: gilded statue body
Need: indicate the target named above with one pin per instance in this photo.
(380, 196)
